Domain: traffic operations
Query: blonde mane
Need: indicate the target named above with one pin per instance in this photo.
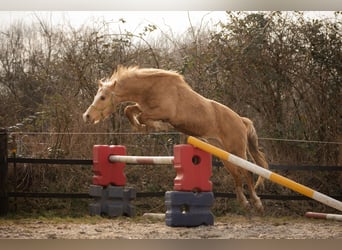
(123, 72)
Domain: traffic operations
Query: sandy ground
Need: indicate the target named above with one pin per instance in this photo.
(229, 227)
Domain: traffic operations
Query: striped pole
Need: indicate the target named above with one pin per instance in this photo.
(267, 174)
(141, 159)
(324, 216)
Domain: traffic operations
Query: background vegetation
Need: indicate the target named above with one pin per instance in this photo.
(278, 68)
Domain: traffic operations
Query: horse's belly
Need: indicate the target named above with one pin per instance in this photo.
(192, 129)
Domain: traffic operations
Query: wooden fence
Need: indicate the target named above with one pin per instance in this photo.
(5, 194)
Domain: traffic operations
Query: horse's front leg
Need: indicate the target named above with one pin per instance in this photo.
(132, 112)
(153, 124)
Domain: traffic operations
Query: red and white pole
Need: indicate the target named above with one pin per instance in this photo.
(324, 216)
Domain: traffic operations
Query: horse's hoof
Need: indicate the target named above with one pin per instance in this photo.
(142, 128)
(247, 206)
(260, 210)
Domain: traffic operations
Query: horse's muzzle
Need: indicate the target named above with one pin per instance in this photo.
(86, 117)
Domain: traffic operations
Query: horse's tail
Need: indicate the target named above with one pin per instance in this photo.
(253, 149)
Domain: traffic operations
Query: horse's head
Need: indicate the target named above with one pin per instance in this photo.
(103, 105)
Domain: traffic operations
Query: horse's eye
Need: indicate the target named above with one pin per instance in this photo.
(102, 97)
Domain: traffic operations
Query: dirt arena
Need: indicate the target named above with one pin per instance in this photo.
(228, 227)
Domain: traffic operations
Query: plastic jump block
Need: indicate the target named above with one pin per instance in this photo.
(193, 167)
(188, 209)
(105, 172)
(112, 201)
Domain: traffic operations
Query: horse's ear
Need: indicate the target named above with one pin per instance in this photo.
(114, 83)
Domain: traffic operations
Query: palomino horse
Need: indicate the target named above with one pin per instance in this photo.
(163, 98)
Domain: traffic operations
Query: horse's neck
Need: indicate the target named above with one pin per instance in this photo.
(132, 90)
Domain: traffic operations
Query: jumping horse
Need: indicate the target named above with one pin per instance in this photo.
(162, 99)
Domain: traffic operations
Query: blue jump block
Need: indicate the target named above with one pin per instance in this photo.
(112, 201)
(188, 209)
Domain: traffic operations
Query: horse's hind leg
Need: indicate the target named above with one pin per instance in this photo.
(254, 197)
(236, 173)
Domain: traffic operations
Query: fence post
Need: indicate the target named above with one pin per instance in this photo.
(3, 172)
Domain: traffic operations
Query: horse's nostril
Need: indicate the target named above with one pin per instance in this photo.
(88, 116)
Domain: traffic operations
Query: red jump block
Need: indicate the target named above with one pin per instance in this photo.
(105, 172)
(194, 169)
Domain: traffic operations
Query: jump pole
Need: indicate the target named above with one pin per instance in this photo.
(267, 174)
(162, 160)
(324, 216)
